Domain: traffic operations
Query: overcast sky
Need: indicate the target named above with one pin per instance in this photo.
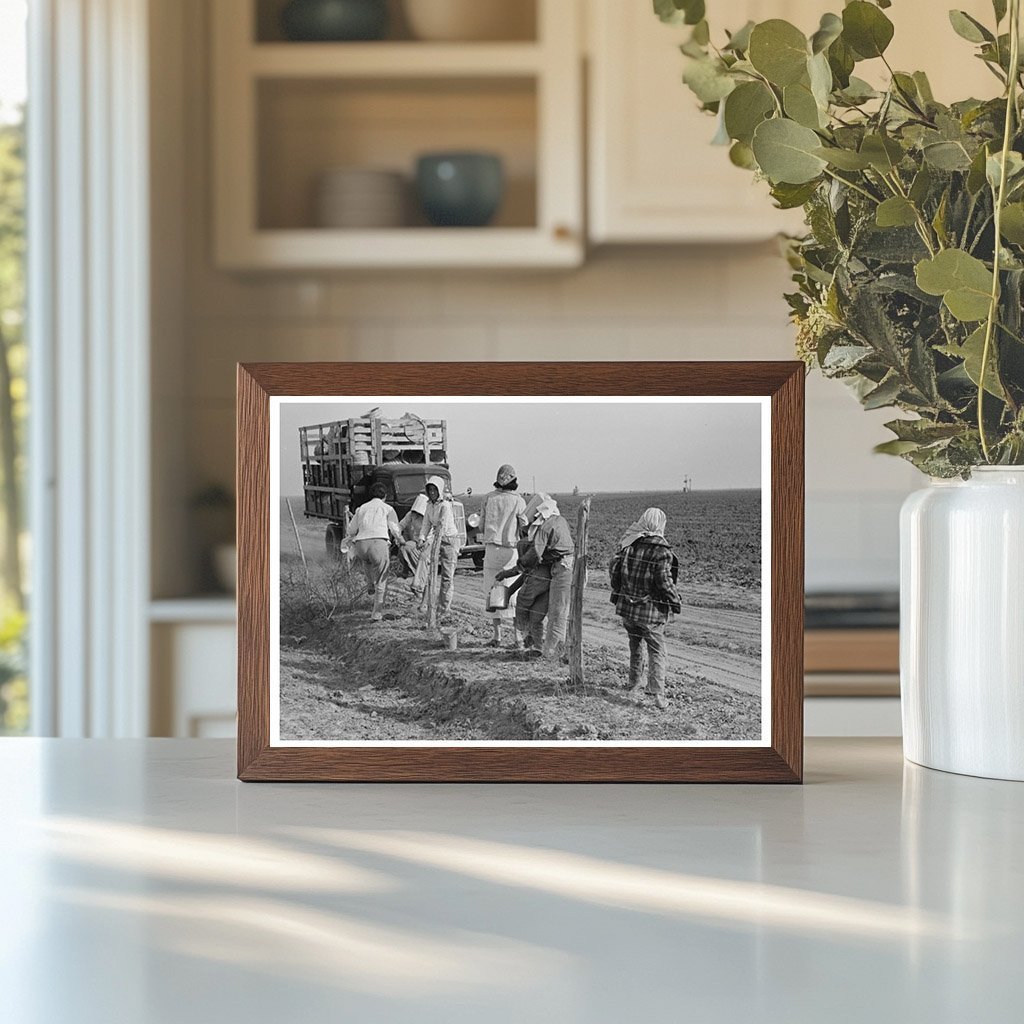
(597, 446)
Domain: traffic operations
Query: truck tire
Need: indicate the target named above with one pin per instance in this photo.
(332, 541)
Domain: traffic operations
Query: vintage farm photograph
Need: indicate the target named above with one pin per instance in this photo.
(525, 571)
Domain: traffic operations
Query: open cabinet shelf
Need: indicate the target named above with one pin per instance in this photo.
(394, 60)
(288, 114)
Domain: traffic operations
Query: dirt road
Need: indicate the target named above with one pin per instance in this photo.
(720, 644)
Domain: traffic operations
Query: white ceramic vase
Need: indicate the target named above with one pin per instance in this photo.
(962, 624)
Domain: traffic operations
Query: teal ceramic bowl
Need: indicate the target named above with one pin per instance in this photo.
(333, 21)
(460, 190)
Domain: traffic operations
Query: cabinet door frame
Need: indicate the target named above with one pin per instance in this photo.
(618, 210)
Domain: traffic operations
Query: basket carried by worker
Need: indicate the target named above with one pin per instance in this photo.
(498, 598)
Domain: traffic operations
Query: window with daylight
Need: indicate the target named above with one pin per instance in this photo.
(14, 695)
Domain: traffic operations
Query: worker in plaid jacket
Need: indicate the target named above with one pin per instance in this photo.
(643, 576)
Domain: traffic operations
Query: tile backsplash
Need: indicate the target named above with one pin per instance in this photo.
(717, 302)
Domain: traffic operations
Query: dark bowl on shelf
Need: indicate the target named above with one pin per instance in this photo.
(461, 190)
(333, 21)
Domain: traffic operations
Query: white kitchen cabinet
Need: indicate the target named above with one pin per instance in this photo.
(286, 113)
(193, 668)
(653, 175)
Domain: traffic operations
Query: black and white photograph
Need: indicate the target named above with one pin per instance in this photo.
(520, 571)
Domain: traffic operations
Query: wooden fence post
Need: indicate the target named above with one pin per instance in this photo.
(577, 675)
(432, 585)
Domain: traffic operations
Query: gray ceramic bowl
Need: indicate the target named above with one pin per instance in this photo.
(334, 20)
(461, 190)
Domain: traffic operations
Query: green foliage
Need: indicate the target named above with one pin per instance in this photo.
(13, 690)
(904, 290)
(785, 152)
(13, 411)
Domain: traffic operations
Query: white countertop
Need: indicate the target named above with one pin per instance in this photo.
(141, 885)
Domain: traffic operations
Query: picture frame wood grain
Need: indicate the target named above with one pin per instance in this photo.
(779, 762)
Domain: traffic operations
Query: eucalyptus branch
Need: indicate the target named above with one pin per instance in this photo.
(910, 260)
(853, 185)
(923, 227)
(771, 89)
(969, 218)
(981, 231)
(1000, 200)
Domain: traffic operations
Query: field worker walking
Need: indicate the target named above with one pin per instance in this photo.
(371, 530)
(439, 518)
(504, 517)
(409, 551)
(643, 577)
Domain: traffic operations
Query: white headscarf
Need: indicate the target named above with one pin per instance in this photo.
(650, 524)
(547, 508)
(540, 507)
(440, 483)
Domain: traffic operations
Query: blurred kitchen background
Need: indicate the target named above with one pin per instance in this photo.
(289, 216)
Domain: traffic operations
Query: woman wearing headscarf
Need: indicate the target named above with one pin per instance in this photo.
(553, 547)
(439, 518)
(643, 576)
(504, 516)
(544, 544)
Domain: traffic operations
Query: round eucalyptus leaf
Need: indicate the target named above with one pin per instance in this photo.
(789, 197)
(708, 81)
(785, 152)
(779, 51)
(746, 107)
(841, 60)
(895, 212)
(972, 352)
(820, 76)
(859, 91)
(947, 156)
(743, 156)
(866, 29)
(801, 106)
(674, 12)
(739, 41)
(970, 29)
(1012, 226)
(883, 153)
(830, 29)
(963, 281)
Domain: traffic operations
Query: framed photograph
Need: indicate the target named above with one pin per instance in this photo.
(520, 572)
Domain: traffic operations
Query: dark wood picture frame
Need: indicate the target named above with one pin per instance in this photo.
(781, 761)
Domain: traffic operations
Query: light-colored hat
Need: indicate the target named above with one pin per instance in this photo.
(440, 483)
(506, 474)
(547, 508)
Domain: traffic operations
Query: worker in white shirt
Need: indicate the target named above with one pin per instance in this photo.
(371, 531)
(439, 518)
